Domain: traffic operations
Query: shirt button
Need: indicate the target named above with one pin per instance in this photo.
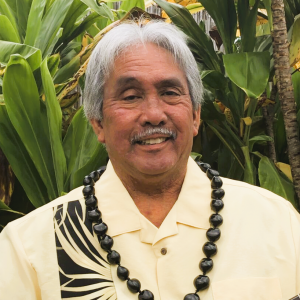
(163, 251)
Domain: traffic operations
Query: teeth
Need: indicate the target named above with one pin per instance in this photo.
(153, 141)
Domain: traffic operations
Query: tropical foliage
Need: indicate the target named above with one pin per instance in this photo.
(239, 85)
(45, 47)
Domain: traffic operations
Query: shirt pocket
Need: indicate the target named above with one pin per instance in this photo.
(254, 288)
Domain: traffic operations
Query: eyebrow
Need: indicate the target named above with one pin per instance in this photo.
(169, 82)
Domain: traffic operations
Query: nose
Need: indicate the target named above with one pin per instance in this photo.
(153, 112)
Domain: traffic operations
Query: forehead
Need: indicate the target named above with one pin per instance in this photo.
(145, 62)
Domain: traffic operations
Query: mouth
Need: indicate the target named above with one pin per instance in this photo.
(153, 141)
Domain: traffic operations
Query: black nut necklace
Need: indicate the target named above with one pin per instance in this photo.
(201, 282)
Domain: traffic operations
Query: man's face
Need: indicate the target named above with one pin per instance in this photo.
(147, 91)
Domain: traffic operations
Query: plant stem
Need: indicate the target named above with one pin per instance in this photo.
(250, 114)
(249, 175)
(286, 91)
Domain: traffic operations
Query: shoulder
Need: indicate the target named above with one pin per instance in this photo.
(256, 200)
(44, 214)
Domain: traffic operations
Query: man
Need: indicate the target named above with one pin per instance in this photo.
(142, 96)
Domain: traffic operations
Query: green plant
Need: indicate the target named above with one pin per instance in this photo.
(237, 84)
(46, 138)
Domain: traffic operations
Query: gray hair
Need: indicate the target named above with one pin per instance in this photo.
(124, 36)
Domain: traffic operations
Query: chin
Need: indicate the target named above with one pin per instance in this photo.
(155, 167)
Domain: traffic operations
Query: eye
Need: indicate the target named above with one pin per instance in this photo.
(170, 93)
(131, 98)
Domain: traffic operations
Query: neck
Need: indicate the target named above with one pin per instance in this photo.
(154, 197)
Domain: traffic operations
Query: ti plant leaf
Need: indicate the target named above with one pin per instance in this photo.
(28, 116)
(201, 44)
(249, 71)
(247, 24)
(276, 182)
(31, 54)
(224, 14)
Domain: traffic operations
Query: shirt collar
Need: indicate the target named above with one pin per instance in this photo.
(121, 214)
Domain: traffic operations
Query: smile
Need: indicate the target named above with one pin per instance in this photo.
(152, 141)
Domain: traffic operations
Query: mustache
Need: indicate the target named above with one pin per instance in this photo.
(153, 130)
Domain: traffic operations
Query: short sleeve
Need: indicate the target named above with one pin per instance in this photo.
(295, 223)
(18, 279)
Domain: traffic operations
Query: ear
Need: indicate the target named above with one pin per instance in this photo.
(196, 120)
(98, 129)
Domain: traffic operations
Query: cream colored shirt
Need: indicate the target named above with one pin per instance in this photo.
(52, 254)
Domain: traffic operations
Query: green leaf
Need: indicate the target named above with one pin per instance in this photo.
(54, 116)
(31, 54)
(249, 71)
(128, 5)
(67, 71)
(27, 114)
(295, 43)
(51, 23)
(249, 173)
(247, 24)
(34, 22)
(23, 9)
(201, 44)
(195, 156)
(267, 4)
(6, 10)
(7, 30)
(72, 142)
(224, 14)
(97, 160)
(214, 79)
(224, 141)
(82, 27)
(296, 85)
(54, 41)
(102, 9)
(76, 9)
(259, 139)
(272, 180)
(53, 62)
(20, 161)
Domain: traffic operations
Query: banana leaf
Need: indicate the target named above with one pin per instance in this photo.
(201, 44)
(54, 117)
(224, 14)
(31, 54)
(28, 116)
(21, 162)
(7, 30)
(34, 22)
(249, 71)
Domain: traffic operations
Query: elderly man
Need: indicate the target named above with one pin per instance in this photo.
(150, 227)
